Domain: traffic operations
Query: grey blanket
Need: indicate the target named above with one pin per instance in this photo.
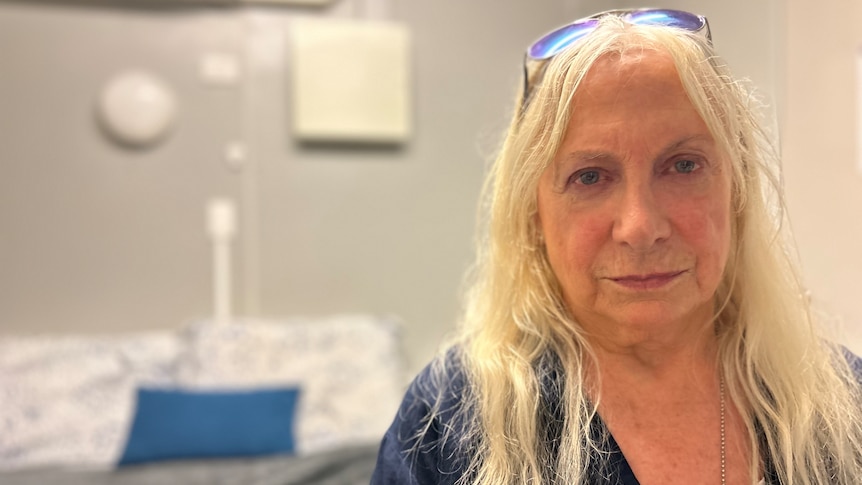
(345, 466)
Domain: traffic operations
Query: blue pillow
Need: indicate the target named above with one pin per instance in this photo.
(176, 424)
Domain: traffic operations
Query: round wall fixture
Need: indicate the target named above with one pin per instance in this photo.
(137, 109)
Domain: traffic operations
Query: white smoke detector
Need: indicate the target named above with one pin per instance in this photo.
(137, 109)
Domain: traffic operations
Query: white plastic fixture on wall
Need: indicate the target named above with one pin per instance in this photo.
(351, 81)
(137, 109)
(222, 228)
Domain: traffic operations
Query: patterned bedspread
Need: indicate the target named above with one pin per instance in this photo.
(66, 402)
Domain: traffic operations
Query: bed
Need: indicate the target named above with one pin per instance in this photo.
(296, 401)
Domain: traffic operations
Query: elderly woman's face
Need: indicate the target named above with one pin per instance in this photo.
(635, 208)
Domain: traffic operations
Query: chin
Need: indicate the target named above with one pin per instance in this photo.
(657, 314)
(665, 313)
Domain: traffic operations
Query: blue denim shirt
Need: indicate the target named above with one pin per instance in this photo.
(410, 456)
(414, 451)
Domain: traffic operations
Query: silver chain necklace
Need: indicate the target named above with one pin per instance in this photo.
(723, 436)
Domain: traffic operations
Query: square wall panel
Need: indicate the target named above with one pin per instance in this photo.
(351, 81)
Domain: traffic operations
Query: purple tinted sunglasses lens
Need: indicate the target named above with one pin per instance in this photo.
(670, 18)
(551, 44)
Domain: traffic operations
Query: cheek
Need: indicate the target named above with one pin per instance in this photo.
(574, 243)
(705, 227)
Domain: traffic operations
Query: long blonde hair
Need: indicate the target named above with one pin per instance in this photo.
(795, 390)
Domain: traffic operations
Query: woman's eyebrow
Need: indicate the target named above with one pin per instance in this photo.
(600, 155)
(584, 156)
(698, 138)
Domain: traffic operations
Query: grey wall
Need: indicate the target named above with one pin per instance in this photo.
(99, 239)
(94, 238)
(387, 230)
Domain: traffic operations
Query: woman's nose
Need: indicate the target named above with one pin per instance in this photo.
(641, 221)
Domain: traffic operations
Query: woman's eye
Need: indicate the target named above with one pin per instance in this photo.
(588, 177)
(685, 166)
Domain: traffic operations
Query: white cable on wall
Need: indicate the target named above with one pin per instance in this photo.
(221, 227)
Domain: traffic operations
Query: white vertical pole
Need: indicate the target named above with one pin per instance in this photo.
(221, 226)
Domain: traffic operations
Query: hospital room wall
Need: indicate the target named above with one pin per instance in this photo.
(821, 150)
(389, 230)
(95, 237)
(99, 239)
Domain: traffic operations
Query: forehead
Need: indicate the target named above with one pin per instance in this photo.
(634, 95)
(633, 74)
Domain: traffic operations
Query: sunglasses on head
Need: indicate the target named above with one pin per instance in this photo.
(554, 42)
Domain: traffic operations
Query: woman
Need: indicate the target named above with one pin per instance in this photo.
(636, 316)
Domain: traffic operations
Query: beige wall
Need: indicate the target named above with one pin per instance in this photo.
(823, 181)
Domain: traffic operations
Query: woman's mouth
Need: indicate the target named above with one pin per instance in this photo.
(651, 281)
